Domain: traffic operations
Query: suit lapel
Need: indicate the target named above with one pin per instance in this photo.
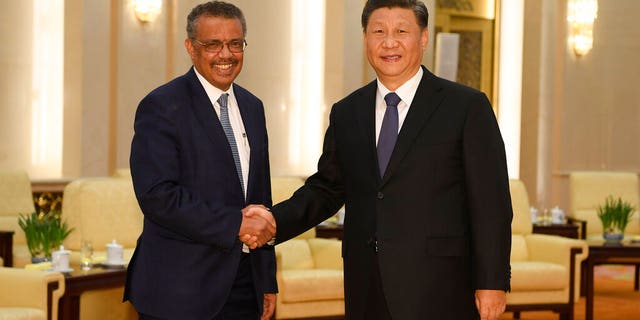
(428, 97)
(208, 118)
(366, 122)
(251, 130)
(204, 111)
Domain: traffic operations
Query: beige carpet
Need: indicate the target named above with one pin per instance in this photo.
(614, 298)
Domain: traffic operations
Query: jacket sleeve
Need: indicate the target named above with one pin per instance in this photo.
(489, 198)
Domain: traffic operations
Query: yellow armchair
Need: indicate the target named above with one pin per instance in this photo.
(310, 278)
(16, 198)
(29, 294)
(545, 269)
(589, 189)
(310, 275)
(102, 209)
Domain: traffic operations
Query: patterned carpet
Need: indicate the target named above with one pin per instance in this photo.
(614, 299)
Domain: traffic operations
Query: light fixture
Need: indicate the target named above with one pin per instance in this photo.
(147, 10)
(581, 14)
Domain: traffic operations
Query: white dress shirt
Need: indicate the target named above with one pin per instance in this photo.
(244, 151)
(406, 92)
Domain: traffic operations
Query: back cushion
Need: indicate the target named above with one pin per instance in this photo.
(15, 199)
(327, 253)
(519, 251)
(101, 210)
(295, 254)
(589, 189)
(521, 223)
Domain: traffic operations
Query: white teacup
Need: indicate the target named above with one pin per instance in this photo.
(114, 253)
(60, 259)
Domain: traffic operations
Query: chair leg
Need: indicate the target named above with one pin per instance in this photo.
(636, 280)
(516, 314)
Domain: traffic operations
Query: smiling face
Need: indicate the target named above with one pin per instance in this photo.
(394, 44)
(220, 68)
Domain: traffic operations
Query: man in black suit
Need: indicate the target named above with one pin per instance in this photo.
(198, 156)
(427, 231)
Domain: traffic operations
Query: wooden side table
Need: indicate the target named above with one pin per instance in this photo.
(564, 230)
(6, 247)
(329, 231)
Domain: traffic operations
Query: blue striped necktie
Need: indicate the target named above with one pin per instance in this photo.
(228, 131)
(388, 132)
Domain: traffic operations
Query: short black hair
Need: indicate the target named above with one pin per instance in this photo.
(214, 9)
(417, 6)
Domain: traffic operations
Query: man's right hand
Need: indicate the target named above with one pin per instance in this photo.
(258, 226)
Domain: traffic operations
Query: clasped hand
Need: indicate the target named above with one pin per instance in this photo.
(258, 226)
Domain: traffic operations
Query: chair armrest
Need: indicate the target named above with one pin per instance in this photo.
(560, 250)
(581, 223)
(30, 288)
(555, 249)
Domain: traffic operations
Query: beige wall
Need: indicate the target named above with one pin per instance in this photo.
(579, 113)
(130, 59)
(16, 30)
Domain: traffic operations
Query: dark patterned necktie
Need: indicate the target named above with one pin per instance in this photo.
(388, 131)
(228, 131)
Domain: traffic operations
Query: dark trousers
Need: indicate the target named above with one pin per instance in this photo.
(241, 303)
(376, 303)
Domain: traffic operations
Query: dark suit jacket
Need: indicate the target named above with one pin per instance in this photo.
(441, 213)
(186, 183)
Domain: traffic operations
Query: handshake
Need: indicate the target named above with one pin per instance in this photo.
(258, 226)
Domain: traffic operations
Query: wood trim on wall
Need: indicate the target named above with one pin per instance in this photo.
(113, 85)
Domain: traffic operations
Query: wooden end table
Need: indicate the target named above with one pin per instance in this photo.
(6, 247)
(329, 231)
(564, 229)
(78, 281)
(600, 252)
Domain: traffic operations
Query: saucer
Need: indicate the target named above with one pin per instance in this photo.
(114, 264)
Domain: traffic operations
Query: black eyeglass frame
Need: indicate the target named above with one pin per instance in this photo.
(216, 46)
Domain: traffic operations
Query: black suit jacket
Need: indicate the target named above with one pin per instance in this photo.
(441, 214)
(185, 180)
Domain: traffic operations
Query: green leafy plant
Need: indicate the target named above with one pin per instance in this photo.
(615, 214)
(44, 232)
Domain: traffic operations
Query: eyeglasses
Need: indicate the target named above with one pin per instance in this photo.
(215, 46)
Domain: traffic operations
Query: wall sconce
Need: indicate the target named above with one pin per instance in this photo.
(147, 10)
(581, 14)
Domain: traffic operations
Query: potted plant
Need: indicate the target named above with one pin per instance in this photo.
(44, 232)
(614, 215)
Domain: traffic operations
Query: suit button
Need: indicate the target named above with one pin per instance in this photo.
(380, 195)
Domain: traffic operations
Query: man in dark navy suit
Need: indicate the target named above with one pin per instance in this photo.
(419, 163)
(199, 155)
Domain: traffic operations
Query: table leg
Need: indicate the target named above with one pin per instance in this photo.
(69, 307)
(589, 293)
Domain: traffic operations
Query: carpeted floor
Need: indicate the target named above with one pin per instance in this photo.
(614, 298)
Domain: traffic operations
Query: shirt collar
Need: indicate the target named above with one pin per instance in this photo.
(212, 92)
(407, 90)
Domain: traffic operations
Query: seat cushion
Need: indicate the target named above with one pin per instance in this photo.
(311, 285)
(538, 276)
(10, 313)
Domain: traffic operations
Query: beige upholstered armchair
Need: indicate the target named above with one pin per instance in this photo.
(589, 189)
(101, 210)
(310, 276)
(29, 294)
(545, 269)
(15, 199)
